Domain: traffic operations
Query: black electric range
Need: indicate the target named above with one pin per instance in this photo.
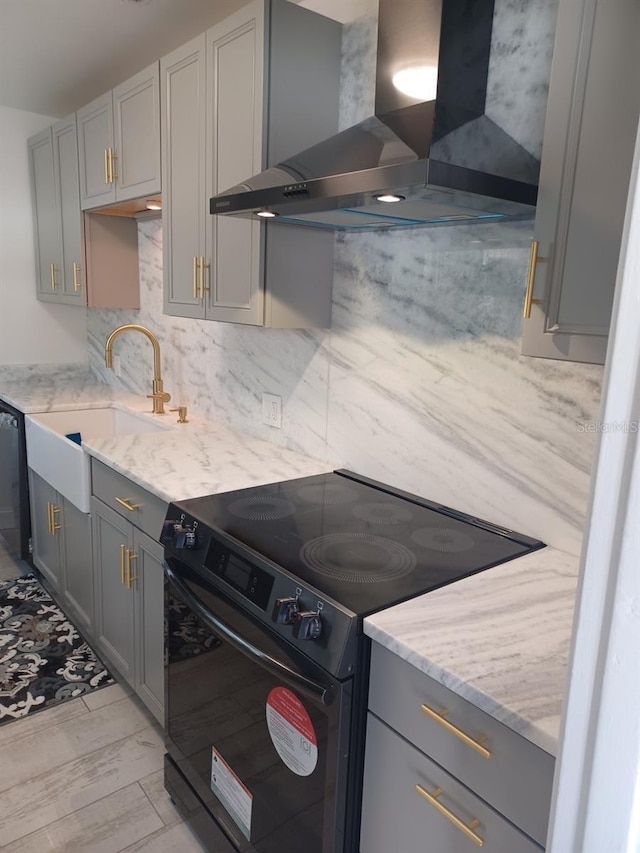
(283, 575)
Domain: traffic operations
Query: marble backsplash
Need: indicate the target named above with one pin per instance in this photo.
(419, 382)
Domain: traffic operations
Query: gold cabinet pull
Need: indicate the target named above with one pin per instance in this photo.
(123, 550)
(112, 157)
(432, 797)
(439, 717)
(76, 272)
(534, 260)
(127, 504)
(52, 272)
(203, 267)
(54, 525)
(196, 264)
(106, 166)
(131, 555)
(49, 521)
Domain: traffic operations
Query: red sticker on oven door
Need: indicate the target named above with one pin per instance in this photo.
(292, 731)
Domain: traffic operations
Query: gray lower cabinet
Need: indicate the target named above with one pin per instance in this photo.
(587, 154)
(129, 583)
(225, 117)
(440, 770)
(61, 538)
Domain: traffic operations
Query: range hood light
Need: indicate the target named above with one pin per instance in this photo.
(266, 214)
(389, 198)
(418, 81)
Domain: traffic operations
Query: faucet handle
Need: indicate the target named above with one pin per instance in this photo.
(182, 414)
(159, 399)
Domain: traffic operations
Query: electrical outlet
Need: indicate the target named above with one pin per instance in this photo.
(117, 366)
(272, 410)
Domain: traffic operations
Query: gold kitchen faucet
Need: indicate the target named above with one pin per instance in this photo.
(159, 396)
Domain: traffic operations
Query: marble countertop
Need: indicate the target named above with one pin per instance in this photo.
(499, 639)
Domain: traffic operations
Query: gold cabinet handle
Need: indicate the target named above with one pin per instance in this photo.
(127, 504)
(52, 271)
(131, 555)
(439, 717)
(196, 264)
(123, 550)
(203, 267)
(534, 260)
(49, 521)
(112, 157)
(76, 273)
(54, 511)
(432, 797)
(106, 166)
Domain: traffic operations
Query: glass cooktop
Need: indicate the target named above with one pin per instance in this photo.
(361, 543)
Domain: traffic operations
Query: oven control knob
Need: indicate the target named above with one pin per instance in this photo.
(307, 625)
(284, 610)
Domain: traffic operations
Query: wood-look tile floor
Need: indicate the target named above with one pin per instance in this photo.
(86, 776)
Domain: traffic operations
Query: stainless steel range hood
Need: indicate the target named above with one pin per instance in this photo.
(438, 153)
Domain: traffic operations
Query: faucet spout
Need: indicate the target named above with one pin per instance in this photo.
(159, 396)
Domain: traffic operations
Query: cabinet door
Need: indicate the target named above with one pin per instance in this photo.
(150, 623)
(46, 526)
(65, 156)
(46, 219)
(136, 108)
(185, 201)
(235, 152)
(78, 573)
(95, 140)
(113, 601)
(590, 131)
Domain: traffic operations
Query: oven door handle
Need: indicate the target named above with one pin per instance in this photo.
(270, 663)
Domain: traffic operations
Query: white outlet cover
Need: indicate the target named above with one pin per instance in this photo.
(272, 410)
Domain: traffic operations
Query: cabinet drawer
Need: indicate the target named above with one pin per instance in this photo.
(396, 817)
(146, 510)
(516, 779)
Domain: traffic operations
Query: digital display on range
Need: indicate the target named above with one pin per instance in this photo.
(254, 583)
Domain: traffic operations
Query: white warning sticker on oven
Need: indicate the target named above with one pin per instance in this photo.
(233, 795)
(292, 731)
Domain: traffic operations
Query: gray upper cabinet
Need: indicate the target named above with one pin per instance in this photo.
(58, 224)
(119, 142)
(252, 79)
(590, 131)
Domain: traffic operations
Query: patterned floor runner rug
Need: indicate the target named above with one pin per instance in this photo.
(43, 658)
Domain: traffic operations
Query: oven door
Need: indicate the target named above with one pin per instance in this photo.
(258, 731)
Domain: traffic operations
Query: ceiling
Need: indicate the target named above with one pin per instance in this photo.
(57, 55)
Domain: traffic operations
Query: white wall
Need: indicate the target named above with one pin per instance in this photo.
(30, 331)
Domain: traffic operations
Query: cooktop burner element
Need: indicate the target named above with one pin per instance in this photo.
(349, 540)
(382, 513)
(357, 557)
(443, 539)
(262, 508)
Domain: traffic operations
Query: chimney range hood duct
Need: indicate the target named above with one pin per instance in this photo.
(439, 154)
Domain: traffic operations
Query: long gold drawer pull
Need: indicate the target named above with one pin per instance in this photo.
(203, 267)
(534, 260)
(439, 717)
(127, 504)
(49, 522)
(52, 272)
(466, 828)
(106, 166)
(112, 157)
(123, 552)
(54, 511)
(196, 264)
(76, 272)
(129, 579)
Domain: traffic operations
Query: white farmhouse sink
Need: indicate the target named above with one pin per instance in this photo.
(61, 461)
